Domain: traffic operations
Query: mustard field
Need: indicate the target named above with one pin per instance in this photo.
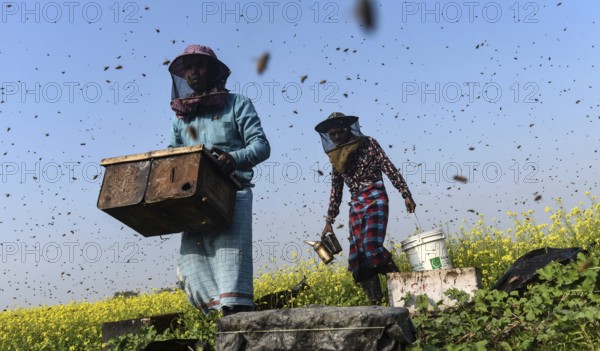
(78, 325)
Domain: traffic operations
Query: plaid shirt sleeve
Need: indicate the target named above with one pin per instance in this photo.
(337, 186)
(390, 170)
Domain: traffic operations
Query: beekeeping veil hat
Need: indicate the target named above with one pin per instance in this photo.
(336, 119)
(181, 89)
(184, 100)
(340, 155)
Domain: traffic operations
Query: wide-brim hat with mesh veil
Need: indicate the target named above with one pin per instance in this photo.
(336, 119)
(176, 68)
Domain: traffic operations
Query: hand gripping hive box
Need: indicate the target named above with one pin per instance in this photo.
(168, 191)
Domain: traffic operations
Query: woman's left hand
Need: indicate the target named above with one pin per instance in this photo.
(225, 161)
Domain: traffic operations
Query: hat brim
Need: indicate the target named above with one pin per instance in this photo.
(329, 123)
(176, 67)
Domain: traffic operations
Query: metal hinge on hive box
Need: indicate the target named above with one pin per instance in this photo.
(168, 191)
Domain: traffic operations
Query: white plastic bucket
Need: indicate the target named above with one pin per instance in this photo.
(427, 251)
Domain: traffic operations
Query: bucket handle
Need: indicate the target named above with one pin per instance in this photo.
(417, 223)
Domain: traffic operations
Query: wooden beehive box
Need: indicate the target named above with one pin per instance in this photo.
(168, 191)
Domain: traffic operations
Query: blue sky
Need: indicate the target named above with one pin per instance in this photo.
(503, 93)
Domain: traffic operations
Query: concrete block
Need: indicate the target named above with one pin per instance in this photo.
(433, 283)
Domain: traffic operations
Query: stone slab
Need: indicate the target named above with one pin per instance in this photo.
(369, 328)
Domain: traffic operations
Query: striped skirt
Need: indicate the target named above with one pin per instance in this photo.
(215, 267)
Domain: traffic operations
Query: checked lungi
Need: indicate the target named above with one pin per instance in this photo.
(368, 224)
(215, 267)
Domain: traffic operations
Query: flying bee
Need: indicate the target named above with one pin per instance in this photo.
(192, 132)
(261, 65)
(366, 13)
(460, 178)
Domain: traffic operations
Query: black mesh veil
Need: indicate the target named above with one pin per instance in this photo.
(328, 144)
(180, 88)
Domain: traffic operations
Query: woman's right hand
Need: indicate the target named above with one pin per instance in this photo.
(327, 229)
(410, 204)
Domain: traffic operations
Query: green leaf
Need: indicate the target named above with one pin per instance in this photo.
(530, 316)
(481, 345)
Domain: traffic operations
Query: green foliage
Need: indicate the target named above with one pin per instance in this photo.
(562, 312)
(192, 325)
(135, 342)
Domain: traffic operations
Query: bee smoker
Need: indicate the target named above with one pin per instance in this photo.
(326, 248)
